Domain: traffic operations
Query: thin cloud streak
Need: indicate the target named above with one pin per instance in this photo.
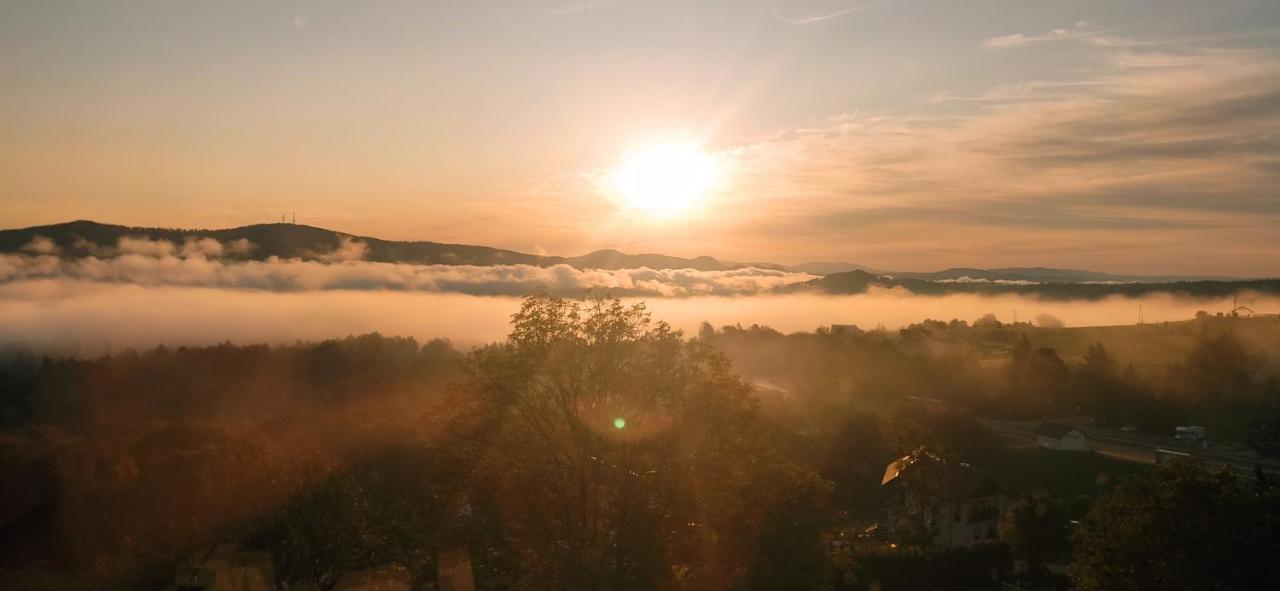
(823, 17)
(1081, 30)
(580, 7)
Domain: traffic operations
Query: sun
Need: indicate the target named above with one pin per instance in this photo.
(666, 178)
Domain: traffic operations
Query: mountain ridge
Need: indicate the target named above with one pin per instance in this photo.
(856, 282)
(285, 240)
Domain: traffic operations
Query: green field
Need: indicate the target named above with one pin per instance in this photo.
(1146, 346)
(1060, 474)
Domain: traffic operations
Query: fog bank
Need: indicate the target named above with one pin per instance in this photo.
(53, 314)
(199, 264)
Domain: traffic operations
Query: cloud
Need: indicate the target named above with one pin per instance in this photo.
(128, 245)
(190, 248)
(968, 279)
(239, 247)
(348, 249)
(204, 247)
(102, 317)
(41, 245)
(201, 263)
(1164, 153)
(1049, 321)
(156, 263)
(1081, 30)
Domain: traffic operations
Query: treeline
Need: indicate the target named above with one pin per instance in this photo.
(119, 466)
(597, 448)
(997, 370)
(853, 282)
(218, 381)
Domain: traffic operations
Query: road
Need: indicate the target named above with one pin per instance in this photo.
(1141, 447)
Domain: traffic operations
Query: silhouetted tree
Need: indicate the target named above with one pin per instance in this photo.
(1180, 527)
(1036, 530)
(624, 456)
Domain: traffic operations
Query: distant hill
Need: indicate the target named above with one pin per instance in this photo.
(1047, 275)
(854, 282)
(612, 259)
(1036, 274)
(829, 268)
(288, 241)
(307, 242)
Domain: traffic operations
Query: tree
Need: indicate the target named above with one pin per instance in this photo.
(1038, 376)
(1036, 530)
(1046, 370)
(1099, 366)
(1219, 368)
(1180, 527)
(854, 461)
(623, 456)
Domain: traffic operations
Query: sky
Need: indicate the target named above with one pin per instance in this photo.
(1120, 135)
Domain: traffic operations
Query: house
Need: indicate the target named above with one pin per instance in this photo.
(1062, 438)
(954, 503)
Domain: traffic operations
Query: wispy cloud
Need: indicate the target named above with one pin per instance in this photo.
(817, 18)
(1081, 30)
(41, 245)
(1164, 152)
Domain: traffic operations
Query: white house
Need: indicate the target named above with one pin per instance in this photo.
(1062, 438)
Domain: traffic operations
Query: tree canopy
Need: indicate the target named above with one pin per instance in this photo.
(1180, 527)
(624, 456)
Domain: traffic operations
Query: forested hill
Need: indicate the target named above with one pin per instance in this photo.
(854, 282)
(308, 242)
(288, 241)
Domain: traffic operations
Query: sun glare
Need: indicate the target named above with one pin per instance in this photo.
(667, 178)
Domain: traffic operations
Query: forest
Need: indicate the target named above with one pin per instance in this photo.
(598, 448)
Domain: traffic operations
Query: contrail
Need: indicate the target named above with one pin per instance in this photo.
(579, 7)
(823, 17)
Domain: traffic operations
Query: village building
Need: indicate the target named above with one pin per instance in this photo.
(958, 504)
(1062, 438)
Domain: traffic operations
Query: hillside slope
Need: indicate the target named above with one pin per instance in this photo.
(288, 241)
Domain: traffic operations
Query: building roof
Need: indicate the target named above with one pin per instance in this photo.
(1055, 430)
(962, 481)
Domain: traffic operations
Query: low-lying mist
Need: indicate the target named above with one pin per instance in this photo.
(199, 264)
(97, 317)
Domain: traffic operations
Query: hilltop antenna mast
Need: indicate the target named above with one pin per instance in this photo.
(295, 218)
